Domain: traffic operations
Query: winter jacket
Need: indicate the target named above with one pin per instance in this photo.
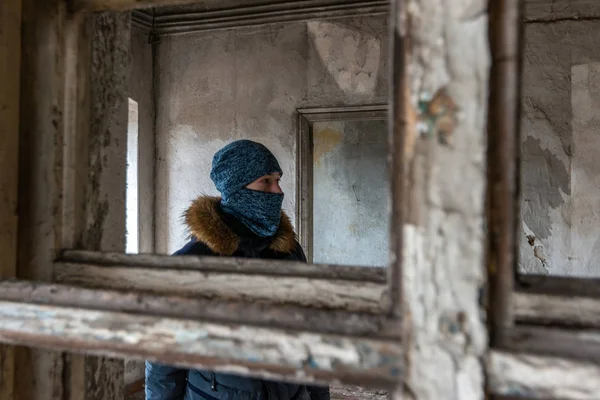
(215, 233)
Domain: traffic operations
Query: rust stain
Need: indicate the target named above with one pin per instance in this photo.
(325, 140)
(437, 116)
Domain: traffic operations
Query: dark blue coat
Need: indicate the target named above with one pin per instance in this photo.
(216, 233)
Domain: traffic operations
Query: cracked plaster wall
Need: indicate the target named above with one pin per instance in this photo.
(219, 86)
(560, 143)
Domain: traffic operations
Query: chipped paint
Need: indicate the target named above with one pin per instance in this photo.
(437, 116)
(195, 343)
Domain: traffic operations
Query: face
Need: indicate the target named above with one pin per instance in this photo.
(267, 183)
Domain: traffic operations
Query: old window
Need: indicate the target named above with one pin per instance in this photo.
(78, 291)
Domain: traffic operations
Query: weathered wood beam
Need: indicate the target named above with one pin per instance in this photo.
(41, 139)
(279, 9)
(527, 376)
(502, 169)
(399, 125)
(318, 293)
(557, 301)
(122, 5)
(573, 344)
(211, 310)
(10, 64)
(228, 265)
(560, 10)
(569, 311)
(558, 286)
(187, 21)
(447, 68)
(240, 349)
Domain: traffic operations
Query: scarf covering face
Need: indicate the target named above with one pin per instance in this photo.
(234, 167)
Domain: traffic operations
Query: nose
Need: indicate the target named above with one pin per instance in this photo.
(275, 188)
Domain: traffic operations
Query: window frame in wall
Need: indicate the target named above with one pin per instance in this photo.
(299, 333)
(304, 190)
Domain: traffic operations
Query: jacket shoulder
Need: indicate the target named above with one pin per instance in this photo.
(194, 248)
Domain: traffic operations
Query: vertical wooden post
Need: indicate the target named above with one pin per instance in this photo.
(104, 228)
(444, 129)
(10, 65)
(503, 171)
(38, 374)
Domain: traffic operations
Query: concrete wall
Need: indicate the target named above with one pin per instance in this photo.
(560, 149)
(351, 191)
(215, 87)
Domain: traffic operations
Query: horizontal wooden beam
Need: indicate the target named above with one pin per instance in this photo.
(242, 15)
(560, 10)
(122, 5)
(567, 311)
(188, 21)
(528, 376)
(559, 285)
(573, 344)
(557, 301)
(233, 348)
(244, 266)
(207, 310)
(316, 293)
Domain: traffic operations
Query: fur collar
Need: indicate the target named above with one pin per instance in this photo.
(206, 225)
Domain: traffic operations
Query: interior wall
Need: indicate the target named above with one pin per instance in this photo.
(141, 90)
(560, 145)
(218, 86)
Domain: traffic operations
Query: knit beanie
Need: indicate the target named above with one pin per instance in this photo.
(241, 163)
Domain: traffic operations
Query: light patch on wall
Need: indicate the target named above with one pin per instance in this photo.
(352, 58)
(325, 140)
(132, 192)
(585, 168)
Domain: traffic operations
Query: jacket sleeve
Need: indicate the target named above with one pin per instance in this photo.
(318, 392)
(164, 382)
(299, 253)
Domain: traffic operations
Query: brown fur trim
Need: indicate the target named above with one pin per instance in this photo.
(207, 226)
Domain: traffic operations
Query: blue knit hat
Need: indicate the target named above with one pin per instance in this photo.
(241, 163)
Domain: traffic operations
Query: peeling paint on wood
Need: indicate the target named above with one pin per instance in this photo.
(246, 266)
(216, 310)
(346, 295)
(557, 310)
(443, 270)
(105, 190)
(542, 377)
(237, 349)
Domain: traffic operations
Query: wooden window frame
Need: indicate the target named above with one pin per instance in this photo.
(296, 333)
(527, 314)
(538, 324)
(304, 155)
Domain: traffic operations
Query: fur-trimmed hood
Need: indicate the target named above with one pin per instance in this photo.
(205, 223)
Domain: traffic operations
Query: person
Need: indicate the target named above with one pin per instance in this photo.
(246, 221)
